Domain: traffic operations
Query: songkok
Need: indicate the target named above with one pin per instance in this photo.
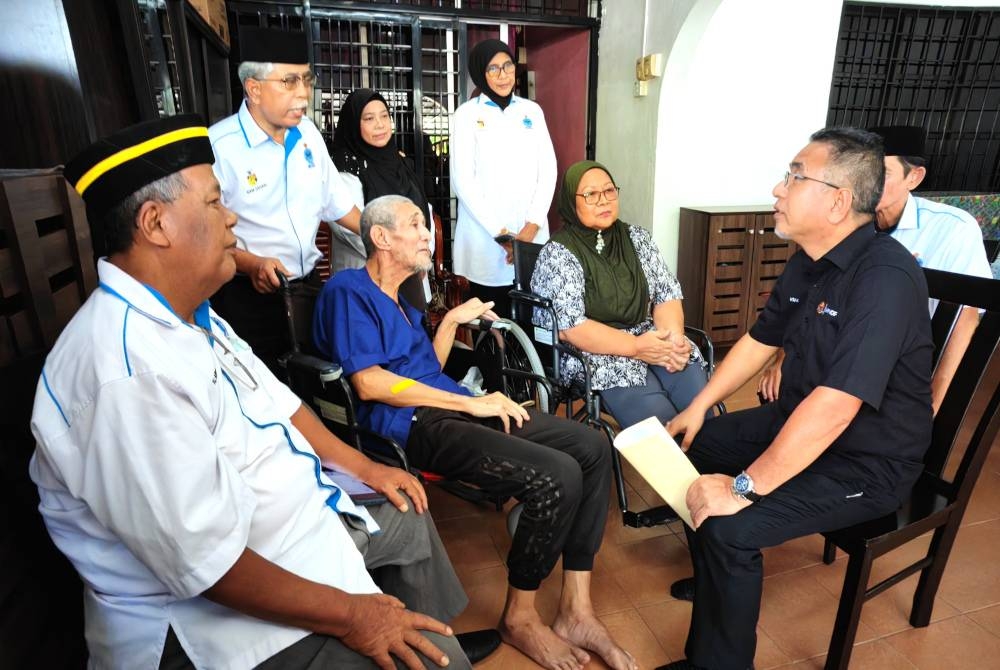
(270, 45)
(112, 169)
(903, 140)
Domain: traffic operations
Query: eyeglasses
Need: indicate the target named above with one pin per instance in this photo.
(801, 177)
(231, 363)
(593, 197)
(494, 70)
(292, 81)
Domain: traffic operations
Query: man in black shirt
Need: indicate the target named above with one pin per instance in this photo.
(845, 440)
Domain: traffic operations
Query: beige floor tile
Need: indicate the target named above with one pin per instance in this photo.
(946, 645)
(646, 569)
(972, 579)
(795, 554)
(889, 612)
(877, 655)
(669, 621)
(985, 502)
(797, 612)
(633, 635)
(988, 618)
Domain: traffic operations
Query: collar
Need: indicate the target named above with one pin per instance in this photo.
(145, 299)
(909, 220)
(484, 99)
(254, 135)
(851, 246)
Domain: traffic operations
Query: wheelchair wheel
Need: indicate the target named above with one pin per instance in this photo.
(505, 348)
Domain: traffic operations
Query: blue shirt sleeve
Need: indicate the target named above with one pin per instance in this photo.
(346, 326)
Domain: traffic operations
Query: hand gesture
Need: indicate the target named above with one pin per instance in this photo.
(654, 347)
(688, 422)
(389, 481)
(263, 275)
(770, 380)
(680, 353)
(471, 309)
(712, 495)
(381, 627)
(499, 405)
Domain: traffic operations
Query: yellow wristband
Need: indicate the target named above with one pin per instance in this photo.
(399, 387)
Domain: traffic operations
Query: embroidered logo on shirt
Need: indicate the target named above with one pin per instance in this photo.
(527, 123)
(252, 182)
(309, 156)
(792, 298)
(480, 123)
(821, 308)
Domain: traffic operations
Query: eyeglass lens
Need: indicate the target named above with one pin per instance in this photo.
(593, 197)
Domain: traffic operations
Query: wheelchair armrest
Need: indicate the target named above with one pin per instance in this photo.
(530, 298)
(325, 370)
(538, 379)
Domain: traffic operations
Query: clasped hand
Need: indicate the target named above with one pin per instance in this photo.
(657, 347)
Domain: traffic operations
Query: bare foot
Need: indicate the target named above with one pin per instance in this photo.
(588, 632)
(533, 638)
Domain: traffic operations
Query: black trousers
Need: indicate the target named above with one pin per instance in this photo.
(559, 469)
(260, 318)
(726, 550)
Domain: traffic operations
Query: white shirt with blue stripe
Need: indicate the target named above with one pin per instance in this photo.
(279, 193)
(942, 237)
(158, 462)
(503, 171)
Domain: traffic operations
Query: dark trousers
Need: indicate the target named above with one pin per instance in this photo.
(559, 469)
(260, 318)
(498, 294)
(726, 550)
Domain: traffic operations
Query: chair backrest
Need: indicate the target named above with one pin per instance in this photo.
(525, 257)
(968, 418)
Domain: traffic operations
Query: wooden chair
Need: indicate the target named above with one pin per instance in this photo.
(964, 430)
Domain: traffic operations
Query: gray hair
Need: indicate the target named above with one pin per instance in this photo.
(380, 212)
(119, 223)
(857, 156)
(249, 69)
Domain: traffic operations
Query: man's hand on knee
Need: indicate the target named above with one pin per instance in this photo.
(712, 495)
(389, 481)
(498, 405)
(381, 627)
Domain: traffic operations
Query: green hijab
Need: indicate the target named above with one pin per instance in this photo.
(616, 292)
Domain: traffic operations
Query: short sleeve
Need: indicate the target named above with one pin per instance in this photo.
(773, 320)
(558, 276)
(663, 285)
(347, 328)
(875, 329)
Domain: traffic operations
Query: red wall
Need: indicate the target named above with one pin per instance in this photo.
(559, 58)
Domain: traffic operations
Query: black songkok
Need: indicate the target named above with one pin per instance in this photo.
(271, 45)
(112, 169)
(903, 140)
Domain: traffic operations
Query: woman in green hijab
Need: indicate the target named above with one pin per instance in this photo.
(616, 301)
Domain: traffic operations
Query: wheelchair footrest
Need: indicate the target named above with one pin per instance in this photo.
(654, 516)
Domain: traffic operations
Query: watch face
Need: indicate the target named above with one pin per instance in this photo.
(741, 484)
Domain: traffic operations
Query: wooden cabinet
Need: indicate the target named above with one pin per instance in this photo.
(728, 261)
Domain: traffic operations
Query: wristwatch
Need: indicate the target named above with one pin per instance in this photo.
(743, 488)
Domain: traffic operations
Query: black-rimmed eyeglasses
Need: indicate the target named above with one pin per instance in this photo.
(494, 70)
(593, 197)
(789, 176)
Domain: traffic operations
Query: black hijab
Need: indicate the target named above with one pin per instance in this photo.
(382, 170)
(479, 60)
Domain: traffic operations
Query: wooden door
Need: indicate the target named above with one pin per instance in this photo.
(729, 256)
(770, 255)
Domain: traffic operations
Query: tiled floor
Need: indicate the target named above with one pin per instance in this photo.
(635, 568)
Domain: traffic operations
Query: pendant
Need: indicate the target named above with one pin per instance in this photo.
(599, 247)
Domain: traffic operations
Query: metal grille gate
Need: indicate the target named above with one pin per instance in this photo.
(932, 67)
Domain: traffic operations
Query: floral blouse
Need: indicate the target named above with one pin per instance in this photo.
(558, 276)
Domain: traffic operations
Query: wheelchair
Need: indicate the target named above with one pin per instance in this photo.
(322, 385)
(544, 360)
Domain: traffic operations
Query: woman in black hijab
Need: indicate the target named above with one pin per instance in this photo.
(364, 146)
(503, 170)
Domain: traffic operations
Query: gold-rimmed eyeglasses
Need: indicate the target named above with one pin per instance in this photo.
(291, 82)
(593, 197)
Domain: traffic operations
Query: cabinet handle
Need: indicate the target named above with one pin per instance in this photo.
(720, 231)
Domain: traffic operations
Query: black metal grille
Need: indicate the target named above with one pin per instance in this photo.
(526, 7)
(930, 67)
(160, 57)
